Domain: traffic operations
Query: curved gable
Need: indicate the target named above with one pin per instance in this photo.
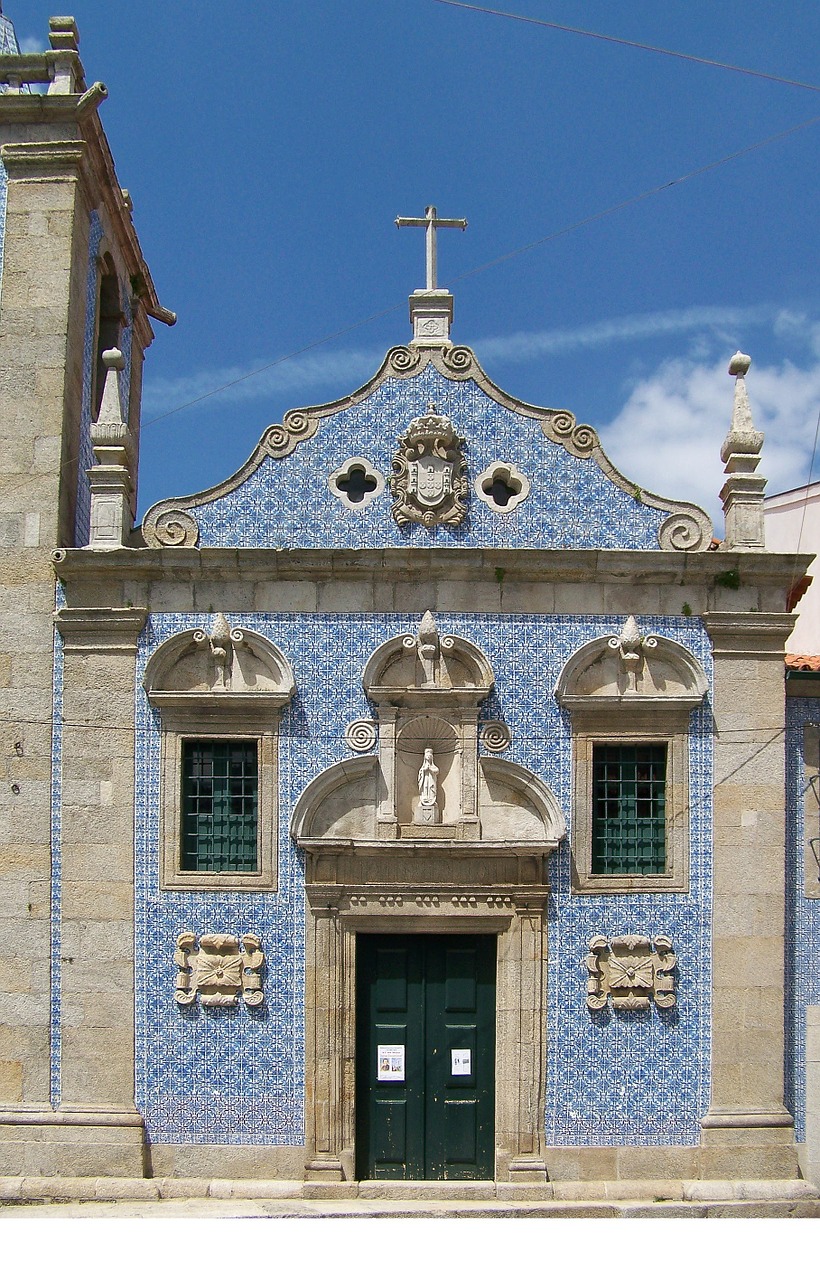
(564, 491)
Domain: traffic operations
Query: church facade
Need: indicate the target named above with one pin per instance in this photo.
(415, 804)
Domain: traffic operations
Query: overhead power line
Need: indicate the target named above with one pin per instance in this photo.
(630, 44)
(494, 262)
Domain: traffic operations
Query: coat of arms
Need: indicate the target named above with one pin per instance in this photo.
(429, 481)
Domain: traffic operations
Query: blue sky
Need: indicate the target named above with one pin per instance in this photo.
(268, 147)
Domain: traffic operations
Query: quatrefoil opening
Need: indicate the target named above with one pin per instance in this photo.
(502, 487)
(356, 483)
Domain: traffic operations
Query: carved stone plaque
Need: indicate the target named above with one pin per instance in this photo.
(630, 971)
(429, 481)
(219, 969)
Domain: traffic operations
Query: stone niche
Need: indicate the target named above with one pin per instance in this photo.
(426, 792)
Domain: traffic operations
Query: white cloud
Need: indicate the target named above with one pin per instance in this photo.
(31, 44)
(312, 371)
(518, 348)
(307, 373)
(667, 437)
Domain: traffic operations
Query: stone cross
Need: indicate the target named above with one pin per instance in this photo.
(431, 221)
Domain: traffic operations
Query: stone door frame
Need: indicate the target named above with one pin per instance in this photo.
(518, 919)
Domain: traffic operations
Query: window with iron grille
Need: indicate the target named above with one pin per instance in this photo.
(220, 792)
(629, 808)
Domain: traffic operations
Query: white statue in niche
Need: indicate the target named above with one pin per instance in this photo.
(427, 810)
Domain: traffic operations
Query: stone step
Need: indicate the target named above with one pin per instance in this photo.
(335, 1196)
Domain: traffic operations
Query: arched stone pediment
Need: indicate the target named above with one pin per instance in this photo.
(631, 668)
(517, 811)
(515, 804)
(340, 804)
(230, 665)
(407, 669)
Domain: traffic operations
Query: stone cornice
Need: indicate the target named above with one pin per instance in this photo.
(46, 158)
(504, 566)
(85, 154)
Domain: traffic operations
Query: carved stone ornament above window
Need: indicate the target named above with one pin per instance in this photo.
(227, 684)
(228, 670)
(630, 972)
(632, 669)
(428, 785)
(429, 481)
(219, 970)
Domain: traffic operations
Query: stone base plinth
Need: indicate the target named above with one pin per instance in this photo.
(72, 1142)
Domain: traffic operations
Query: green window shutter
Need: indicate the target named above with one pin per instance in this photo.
(220, 798)
(629, 809)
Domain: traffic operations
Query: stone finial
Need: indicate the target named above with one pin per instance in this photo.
(110, 478)
(427, 645)
(64, 39)
(742, 493)
(431, 308)
(63, 34)
(630, 645)
(110, 430)
(221, 642)
(630, 638)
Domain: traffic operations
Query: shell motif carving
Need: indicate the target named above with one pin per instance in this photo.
(578, 438)
(403, 359)
(630, 971)
(281, 439)
(170, 528)
(683, 531)
(219, 969)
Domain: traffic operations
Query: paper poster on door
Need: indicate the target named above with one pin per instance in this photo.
(461, 1062)
(390, 1062)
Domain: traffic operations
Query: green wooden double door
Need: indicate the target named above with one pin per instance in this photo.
(425, 1056)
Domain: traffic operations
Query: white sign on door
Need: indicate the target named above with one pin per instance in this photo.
(461, 1062)
(390, 1062)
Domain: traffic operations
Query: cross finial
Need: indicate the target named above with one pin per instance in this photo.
(431, 222)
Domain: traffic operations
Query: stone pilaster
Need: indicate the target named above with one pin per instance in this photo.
(520, 1072)
(97, 882)
(329, 1027)
(747, 1131)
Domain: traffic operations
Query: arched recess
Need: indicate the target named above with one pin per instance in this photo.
(477, 862)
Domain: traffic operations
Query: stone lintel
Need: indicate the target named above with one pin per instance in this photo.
(100, 630)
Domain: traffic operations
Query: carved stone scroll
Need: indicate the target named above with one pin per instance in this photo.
(630, 971)
(219, 969)
(170, 527)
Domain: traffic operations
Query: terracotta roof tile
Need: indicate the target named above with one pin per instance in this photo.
(803, 662)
